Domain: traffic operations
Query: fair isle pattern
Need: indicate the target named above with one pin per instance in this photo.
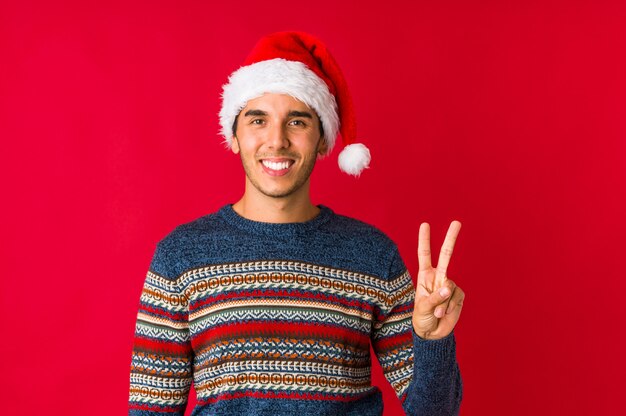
(279, 319)
(269, 329)
(161, 363)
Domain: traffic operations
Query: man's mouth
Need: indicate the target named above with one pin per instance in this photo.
(277, 167)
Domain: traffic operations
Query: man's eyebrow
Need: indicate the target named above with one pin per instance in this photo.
(292, 113)
(295, 113)
(255, 113)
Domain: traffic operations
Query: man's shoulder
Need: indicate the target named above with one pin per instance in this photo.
(362, 246)
(186, 244)
(191, 231)
(352, 228)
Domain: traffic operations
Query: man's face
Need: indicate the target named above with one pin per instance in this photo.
(278, 139)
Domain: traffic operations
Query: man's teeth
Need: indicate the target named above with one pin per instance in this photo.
(276, 165)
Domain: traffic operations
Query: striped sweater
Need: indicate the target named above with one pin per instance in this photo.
(278, 319)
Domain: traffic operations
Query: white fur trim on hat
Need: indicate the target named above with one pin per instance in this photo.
(278, 76)
(354, 158)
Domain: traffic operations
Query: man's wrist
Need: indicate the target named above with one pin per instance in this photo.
(427, 336)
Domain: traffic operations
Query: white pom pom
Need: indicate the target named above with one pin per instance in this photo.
(354, 158)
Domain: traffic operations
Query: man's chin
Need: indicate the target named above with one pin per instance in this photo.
(277, 188)
(277, 193)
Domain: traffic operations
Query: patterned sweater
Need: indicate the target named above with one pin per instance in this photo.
(278, 319)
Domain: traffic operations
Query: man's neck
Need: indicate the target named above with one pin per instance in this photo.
(276, 210)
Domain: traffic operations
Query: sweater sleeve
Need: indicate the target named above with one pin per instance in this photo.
(161, 366)
(424, 373)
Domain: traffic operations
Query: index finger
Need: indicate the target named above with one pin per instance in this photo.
(446, 250)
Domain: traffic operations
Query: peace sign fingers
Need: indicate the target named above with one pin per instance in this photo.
(438, 300)
(446, 252)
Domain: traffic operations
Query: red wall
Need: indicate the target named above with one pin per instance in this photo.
(510, 118)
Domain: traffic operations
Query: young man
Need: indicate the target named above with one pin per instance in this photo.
(270, 304)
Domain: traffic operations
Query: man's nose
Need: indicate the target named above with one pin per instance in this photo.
(277, 137)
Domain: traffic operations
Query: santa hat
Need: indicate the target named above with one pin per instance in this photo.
(299, 65)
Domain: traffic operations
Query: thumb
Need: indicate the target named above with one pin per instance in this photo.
(436, 298)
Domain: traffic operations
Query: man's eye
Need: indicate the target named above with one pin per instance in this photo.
(298, 123)
(256, 121)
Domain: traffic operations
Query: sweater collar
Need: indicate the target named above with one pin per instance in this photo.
(233, 218)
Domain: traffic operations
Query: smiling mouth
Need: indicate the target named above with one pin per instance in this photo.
(277, 167)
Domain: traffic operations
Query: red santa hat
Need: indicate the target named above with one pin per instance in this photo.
(299, 65)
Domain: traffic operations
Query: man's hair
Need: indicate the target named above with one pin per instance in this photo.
(237, 118)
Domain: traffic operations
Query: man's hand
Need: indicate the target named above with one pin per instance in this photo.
(438, 300)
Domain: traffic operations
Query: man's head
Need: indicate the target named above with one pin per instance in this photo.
(298, 65)
(278, 141)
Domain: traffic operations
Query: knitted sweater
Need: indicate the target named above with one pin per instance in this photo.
(278, 319)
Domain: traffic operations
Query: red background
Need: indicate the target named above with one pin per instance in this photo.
(508, 117)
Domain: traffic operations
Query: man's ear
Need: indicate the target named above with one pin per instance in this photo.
(234, 144)
(322, 147)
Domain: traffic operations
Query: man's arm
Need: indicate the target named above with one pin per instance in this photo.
(161, 367)
(437, 387)
(424, 373)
